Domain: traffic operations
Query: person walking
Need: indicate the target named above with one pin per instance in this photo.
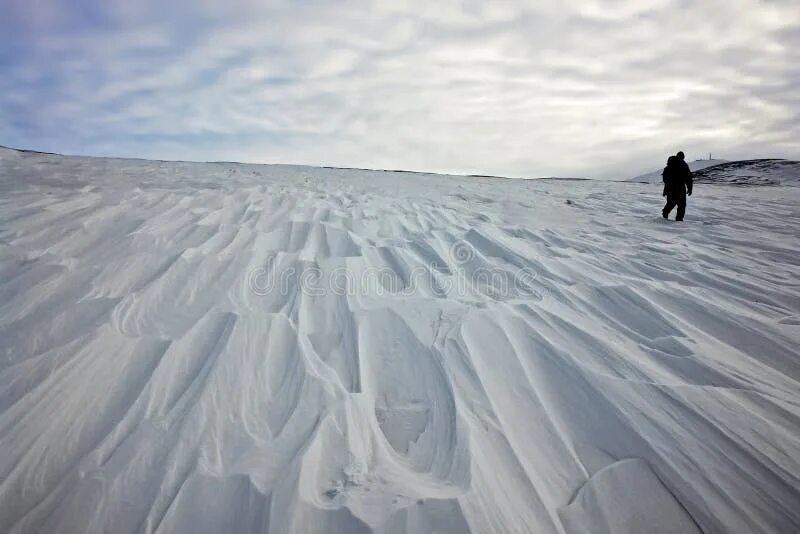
(677, 179)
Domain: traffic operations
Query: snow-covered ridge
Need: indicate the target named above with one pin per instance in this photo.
(752, 172)
(655, 176)
(744, 172)
(218, 347)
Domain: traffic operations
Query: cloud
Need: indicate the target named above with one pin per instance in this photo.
(589, 88)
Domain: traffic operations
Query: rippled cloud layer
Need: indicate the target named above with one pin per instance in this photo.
(569, 88)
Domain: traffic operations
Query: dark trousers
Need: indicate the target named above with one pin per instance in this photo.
(672, 201)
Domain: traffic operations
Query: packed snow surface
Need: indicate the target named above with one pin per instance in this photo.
(239, 348)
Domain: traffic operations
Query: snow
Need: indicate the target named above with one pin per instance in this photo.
(598, 508)
(745, 172)
(655, 176)
(217, 347)
(753, 172)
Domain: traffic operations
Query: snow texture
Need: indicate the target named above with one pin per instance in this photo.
(495, 356)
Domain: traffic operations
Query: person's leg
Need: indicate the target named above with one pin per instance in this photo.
(668, 207)
(681, 202)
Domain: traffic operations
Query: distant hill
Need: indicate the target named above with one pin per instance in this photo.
(752, 172)
(655, 176)
(744, 172)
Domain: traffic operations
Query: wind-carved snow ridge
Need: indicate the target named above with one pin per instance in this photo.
(236, 348)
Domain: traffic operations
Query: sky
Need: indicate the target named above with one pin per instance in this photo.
(505, 87)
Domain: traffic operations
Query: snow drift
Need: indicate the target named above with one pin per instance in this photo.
(238, 348)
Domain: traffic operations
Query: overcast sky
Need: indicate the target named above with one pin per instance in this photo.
(521, 88)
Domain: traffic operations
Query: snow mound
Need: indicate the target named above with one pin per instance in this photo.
(655, 176)
(241, 348)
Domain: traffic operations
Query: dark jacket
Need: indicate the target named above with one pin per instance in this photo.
(677, 177)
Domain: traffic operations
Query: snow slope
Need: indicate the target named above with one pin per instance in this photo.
(655, 176)
(752, 172)
(237, 348)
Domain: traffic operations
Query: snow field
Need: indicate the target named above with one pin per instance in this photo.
(178, 353)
